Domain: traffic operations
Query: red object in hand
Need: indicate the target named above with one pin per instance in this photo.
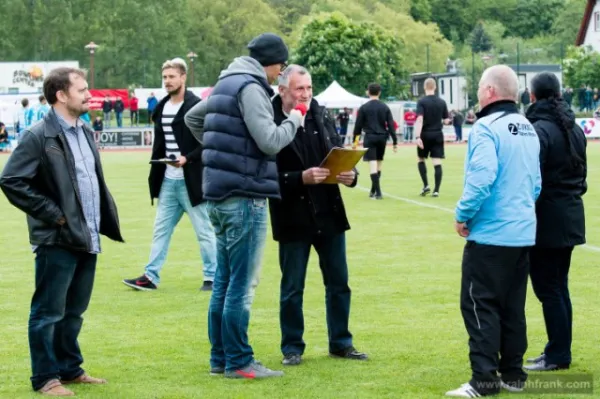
(302, 108)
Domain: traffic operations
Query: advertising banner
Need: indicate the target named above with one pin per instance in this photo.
(99, 94)
(125, 138)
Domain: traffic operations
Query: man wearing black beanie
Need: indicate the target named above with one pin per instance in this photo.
(240, 138)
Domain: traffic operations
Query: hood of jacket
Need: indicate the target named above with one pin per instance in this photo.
(546, 110)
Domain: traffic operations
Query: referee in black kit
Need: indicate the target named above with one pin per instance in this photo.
(432, 113)
(375, 118)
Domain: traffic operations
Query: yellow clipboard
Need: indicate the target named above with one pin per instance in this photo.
(340, 160)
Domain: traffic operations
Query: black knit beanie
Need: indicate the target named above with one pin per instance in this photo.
(268, 49)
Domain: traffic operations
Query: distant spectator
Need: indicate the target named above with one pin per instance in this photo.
(568, 96)
(98, 128)
(3, 136)
(152, 103)
(24, 116)
(471, 118)
(457, 122)
(42, 109)
(133, 110)
(410, 117)
(343, 118)
(588, 99)
(119, 108)
(525, 99)
(107, 107)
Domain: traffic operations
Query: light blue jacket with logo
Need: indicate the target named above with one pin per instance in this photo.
(502, 178)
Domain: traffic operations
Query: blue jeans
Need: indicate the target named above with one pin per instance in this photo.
(293, 260)
(63, 288)
(119, 116)
(173, 201)
(241, 229)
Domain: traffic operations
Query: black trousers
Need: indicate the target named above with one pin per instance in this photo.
(550, 280)
(293, 259)
(492, 301)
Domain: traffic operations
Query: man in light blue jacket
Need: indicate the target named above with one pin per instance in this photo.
(496, 215)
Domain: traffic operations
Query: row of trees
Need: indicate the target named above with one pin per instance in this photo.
(353, 41)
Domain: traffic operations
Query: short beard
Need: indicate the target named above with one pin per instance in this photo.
(176, 91)
(75, 112)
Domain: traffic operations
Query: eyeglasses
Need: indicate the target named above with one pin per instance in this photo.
(283, 65)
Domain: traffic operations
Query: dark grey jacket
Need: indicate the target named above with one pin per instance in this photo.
(39, 178)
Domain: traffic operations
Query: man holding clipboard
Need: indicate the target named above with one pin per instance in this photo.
(311, 214)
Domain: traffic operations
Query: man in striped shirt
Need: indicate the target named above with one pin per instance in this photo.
(178, 183)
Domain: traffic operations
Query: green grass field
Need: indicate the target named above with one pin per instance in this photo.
(404, 260)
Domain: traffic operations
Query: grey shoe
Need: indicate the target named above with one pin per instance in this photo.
(536, 359)
(543, 365)
(292, 359)
(252, 371)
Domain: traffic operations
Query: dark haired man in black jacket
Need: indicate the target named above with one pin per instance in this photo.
(560, 216)
(56, 178)
(310, 214)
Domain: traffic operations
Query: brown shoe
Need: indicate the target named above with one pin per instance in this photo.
(55, 388)
(85, 379)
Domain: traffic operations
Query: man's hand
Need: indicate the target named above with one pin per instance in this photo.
(61, 221)
(346, 178)
(420, 143)
(180, 162)
(296, 113)
(314, 175)
(461, 229)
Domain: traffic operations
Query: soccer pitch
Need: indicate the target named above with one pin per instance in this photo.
(404, 259)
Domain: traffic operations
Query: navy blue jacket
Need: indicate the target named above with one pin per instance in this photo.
(233, 163)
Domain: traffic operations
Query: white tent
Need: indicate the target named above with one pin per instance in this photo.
(335, 96)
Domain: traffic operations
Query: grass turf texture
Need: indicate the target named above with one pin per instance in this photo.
(404, 261)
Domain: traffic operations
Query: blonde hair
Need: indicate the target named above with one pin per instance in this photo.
(176, 63)
(430, 84)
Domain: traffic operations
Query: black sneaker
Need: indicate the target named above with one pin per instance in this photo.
(292, 359)
(141, 283)
(207, 286)
(217, 371)
(349, 353)
(425, 191)
(435, 194)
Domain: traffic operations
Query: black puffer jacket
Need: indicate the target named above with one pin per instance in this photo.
(560, 213)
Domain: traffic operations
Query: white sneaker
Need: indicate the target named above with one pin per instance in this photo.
(510, 388)
(465, 391)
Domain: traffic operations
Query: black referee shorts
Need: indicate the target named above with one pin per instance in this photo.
(432, 145)
(376, 144)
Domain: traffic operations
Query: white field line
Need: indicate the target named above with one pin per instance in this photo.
(447, 210)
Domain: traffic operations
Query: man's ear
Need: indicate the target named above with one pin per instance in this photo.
(61, 96)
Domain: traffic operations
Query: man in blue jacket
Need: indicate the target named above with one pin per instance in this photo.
(496, 215)
(240, 141)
